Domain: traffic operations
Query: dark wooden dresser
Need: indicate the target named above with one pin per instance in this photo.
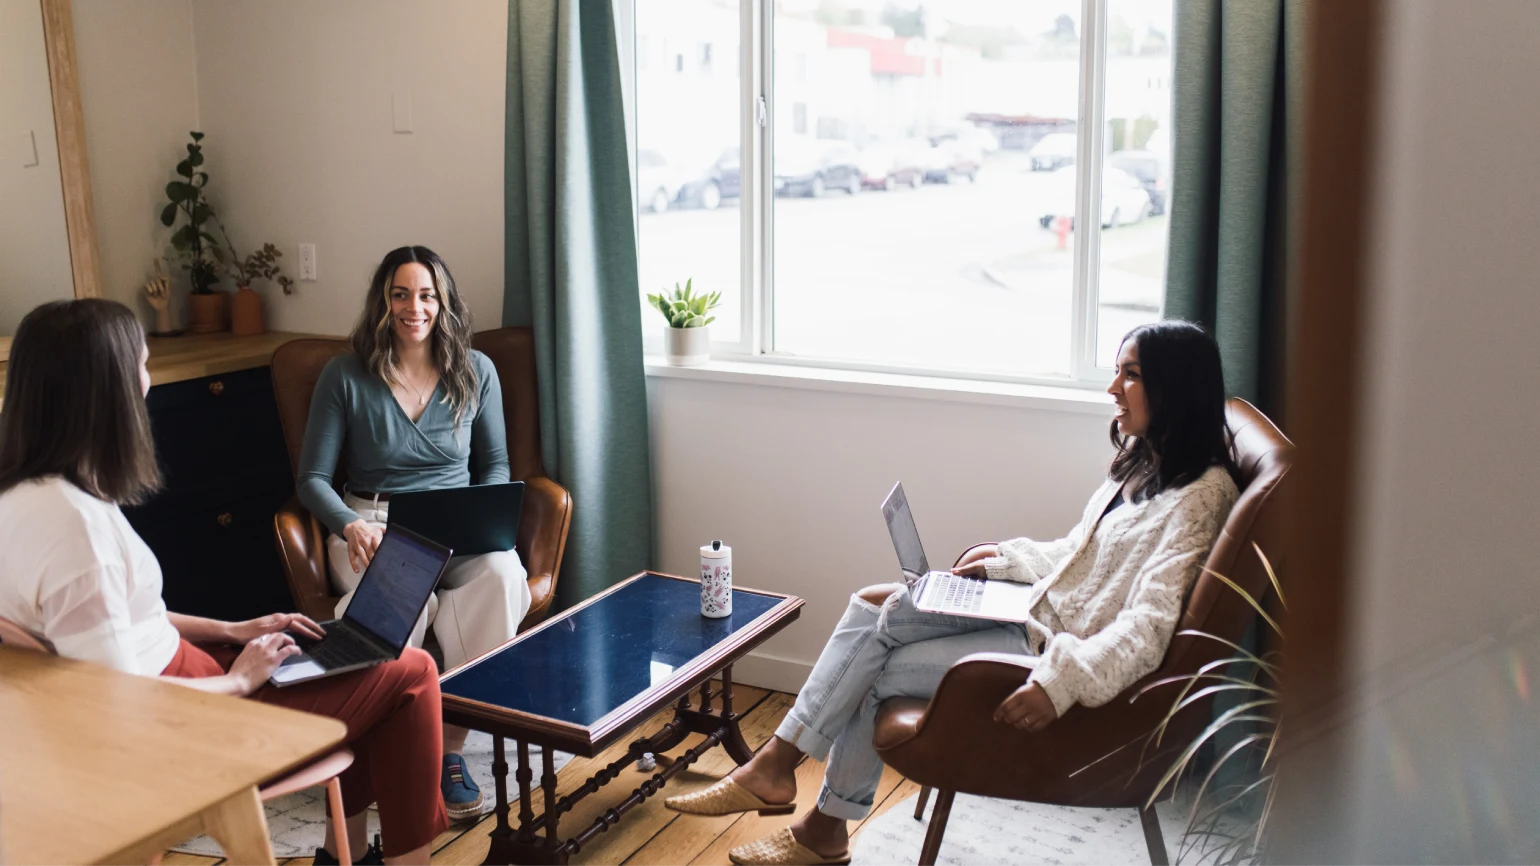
(221, 450)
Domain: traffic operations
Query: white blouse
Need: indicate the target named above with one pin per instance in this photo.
(73, 570)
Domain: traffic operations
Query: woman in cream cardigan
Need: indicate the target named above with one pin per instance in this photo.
(1106, 602)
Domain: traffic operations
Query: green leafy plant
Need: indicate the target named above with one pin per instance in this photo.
(198, 250)
(260, 264)
(682, 308)
(1227, 823)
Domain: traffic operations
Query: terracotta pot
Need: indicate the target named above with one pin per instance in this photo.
(209, 312)
(246, 313)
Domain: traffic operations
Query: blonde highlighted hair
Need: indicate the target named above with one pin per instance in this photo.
(373, 343)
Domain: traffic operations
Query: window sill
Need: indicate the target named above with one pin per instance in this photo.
(1082, 401)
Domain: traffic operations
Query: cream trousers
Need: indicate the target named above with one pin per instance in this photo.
(479, 603)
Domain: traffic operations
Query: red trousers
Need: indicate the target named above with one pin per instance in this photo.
(395, 729)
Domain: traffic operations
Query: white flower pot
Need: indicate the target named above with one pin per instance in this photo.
(687, 347)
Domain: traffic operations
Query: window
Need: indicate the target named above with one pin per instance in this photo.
(921, 207)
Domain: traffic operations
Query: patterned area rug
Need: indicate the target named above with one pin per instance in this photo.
(297, 823)
(983, 832)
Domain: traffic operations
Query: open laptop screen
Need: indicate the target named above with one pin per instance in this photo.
(906, 538)
(395, 587)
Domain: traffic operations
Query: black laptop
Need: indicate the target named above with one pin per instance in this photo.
(374, 629)
(471, 520)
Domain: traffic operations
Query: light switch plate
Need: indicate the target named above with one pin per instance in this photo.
(307, 262)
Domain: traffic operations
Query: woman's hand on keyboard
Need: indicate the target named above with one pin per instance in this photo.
(259, 659)
(298, 623)
(972, 562)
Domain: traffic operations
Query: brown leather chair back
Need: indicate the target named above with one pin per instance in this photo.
(512, 351)
(296, 367)
(1263, 457)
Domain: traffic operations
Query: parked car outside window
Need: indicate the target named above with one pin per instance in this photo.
(1124, 201)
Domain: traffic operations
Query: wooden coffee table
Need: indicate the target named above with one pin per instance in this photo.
(583, 680)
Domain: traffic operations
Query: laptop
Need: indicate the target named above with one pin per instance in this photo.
(943, 591)
(374, 629)
(470, 520)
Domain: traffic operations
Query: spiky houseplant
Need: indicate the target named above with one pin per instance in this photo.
(1227, 822)
(682, 308)
(686, 337)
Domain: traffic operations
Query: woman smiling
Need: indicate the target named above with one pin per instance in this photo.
(414, 407)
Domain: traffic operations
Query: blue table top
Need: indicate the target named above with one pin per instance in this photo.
(593, 660)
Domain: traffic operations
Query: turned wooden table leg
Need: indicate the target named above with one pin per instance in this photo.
(548, 784)
(500, 781)
(732, 738)
(526, 810)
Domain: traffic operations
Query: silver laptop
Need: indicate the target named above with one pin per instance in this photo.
(374, 629)
(943, 591)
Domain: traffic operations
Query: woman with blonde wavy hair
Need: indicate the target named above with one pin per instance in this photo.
(414, 407)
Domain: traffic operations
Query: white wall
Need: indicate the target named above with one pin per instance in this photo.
(1442, 759)
(139, 95)
(792, 479)
(33, 241)
(296, 97)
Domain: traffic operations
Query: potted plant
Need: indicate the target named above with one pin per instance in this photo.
(1227, 821)
(245, 304)
(198, 250)
(687, 340)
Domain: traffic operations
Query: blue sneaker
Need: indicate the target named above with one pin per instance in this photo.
(461, 796)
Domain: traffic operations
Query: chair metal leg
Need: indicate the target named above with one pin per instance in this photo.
(1152, 837)
(937, 829)
(339, 818)
(919, 808)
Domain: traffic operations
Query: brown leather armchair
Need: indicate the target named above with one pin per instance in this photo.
(1093, 756)
(547, 511)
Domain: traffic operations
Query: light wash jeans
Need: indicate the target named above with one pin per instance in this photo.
(876, 654)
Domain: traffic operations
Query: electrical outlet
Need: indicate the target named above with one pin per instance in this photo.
(307, 262)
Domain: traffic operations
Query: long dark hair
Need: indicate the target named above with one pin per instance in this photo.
(73, 405)
(1185, 388)
(452, 330)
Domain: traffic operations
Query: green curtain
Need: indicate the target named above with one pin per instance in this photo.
(570, 255)
(1236, 107)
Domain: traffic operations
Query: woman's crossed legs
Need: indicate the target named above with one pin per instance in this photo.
(883, 647)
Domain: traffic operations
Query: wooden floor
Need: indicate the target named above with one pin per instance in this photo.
(650, 834)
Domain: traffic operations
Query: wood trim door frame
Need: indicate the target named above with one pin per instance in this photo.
(70, 128)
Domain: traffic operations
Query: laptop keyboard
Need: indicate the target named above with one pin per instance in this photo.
(962, 594)
(340, 650)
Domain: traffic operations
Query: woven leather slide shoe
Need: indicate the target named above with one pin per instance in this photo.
(781, 848)
(726, 797)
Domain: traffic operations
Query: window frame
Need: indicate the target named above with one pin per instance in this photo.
(755, 340)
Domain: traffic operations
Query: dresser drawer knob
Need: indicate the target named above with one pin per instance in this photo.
(216, 388)
(225, 519)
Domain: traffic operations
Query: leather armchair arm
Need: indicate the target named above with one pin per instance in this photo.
(302, 546)
(953, 742)
(543, 539)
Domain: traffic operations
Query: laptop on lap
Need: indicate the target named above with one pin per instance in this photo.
(943, 591)
(483, 518)
(374, 629)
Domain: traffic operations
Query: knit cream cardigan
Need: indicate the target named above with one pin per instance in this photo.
(1107, 597)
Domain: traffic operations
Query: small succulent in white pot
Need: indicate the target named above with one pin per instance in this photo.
(687, 339)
